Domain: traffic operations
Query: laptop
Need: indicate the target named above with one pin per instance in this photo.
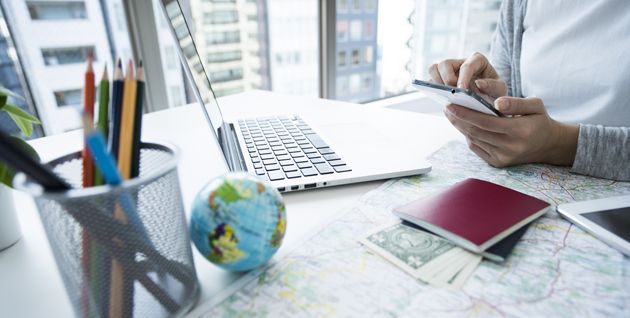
(291, 151)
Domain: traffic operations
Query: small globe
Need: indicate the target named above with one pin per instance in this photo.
(238, 221)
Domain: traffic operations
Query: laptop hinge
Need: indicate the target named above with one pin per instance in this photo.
(232, 150)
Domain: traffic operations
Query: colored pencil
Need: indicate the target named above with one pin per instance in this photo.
(116, 108)
(88, 180)
(137, 127)
(102, 121)
(121, 289)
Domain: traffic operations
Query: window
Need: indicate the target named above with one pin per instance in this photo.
(219, 57)
(356, 59)
(390, 43)
(226, 75)
(177, 95)
(220, 17)
(342, 31)
(170, 57)
(368, 29)
(70, 55)
(342, 86)
(71, 97)
(369, 55)
(56, 10)
(341, 58)
(355, 30)
(342, 6)
(369, 5)
(223, 37)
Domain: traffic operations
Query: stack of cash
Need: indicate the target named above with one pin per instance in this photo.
(423, 255)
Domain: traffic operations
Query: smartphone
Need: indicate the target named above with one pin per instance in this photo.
(459, 96)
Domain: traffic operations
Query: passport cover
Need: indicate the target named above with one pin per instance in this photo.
(474, 214)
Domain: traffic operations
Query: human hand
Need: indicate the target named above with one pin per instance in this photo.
(462, 73)
(530, 136)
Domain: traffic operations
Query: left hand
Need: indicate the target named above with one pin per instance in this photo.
(530, 136)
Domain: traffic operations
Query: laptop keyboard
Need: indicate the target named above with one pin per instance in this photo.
(287, 148)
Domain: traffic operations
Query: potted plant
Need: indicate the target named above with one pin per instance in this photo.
(9, 227)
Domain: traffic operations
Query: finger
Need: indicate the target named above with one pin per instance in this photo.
(474, 132)
(435, 74)
(520, 106)
(473, 65)
(447, 69)
(491, 87)
(481, 120)
(483, 154)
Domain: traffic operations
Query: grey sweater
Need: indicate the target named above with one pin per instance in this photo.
(601, 151)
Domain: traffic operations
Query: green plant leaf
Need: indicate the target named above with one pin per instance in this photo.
(3, 101)
(4, 91)
(6, 173)
(22, 119)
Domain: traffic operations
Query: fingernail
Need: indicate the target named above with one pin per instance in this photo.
(502, 104)
(481, 84)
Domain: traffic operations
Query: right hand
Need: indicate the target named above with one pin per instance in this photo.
(464, 72)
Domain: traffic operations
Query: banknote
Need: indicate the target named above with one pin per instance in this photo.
(422, 255)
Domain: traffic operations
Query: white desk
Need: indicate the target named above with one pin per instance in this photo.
(30, 284)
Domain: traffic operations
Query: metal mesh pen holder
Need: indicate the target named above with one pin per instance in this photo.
(122, 251)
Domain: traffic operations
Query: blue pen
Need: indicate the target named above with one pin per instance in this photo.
(106, 164)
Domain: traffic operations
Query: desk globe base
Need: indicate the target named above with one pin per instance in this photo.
(238, 221)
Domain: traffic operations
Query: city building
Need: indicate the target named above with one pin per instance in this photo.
(53, 39)
(356, 58)
(228, 36)
(294, 46)
(450, 28)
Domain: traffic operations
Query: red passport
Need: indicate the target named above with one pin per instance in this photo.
(474, 214)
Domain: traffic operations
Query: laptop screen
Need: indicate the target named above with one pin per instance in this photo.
(194, 67)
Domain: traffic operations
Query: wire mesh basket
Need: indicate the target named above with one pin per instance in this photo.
(122, 251)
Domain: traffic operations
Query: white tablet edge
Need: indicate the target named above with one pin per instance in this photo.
(573, 212)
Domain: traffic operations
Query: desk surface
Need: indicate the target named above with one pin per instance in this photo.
(30, 284)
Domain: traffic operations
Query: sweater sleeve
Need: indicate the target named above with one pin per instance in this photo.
(501, 45)
(603, 152)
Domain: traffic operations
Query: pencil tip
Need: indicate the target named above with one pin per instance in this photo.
(118, 62)
(140, 64)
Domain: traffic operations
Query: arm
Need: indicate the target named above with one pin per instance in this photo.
(502, 45)
(603, 152)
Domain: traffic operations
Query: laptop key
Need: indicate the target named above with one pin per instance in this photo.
(309, 172)
(317, 160)
(293, 149)
(294, 174)
(323, 168)
(331, 156)
(289, 168)
(283, 157)
(285, 162)
(296, 154)
(312, 155)
(258, 165)
(276, 175)
(342, 168)
(326, 151)
(335, 163)
(269, 162)
(300, 159)
(267, 156)
(260, 172)
(279, 153)
(304, 165)
(310, 151)
(272, 167)
(317, 141)
(264, 152)
(251, 150)
(255, 160)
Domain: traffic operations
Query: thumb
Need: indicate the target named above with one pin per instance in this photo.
(492, 87)
(519, 106)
